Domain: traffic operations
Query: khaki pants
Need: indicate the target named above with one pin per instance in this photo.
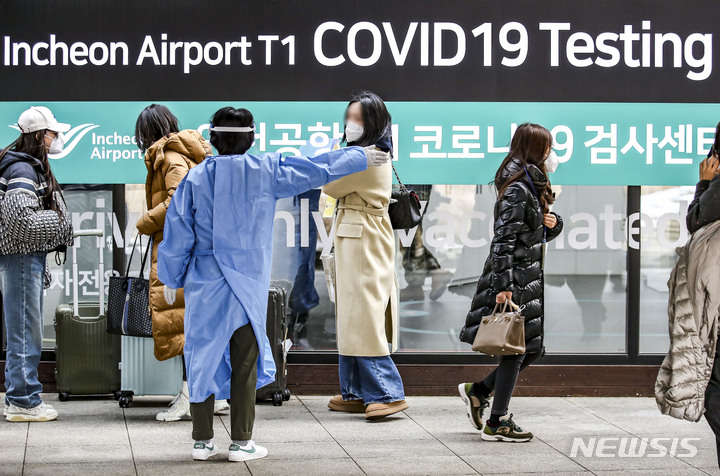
(243, 359)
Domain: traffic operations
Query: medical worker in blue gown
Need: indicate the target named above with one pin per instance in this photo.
(218, 245)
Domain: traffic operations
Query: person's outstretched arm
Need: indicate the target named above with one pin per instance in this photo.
(295, 175)
(175, 251)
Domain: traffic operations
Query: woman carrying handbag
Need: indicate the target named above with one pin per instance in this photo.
(514, 272)
(169, 155)
(366, 291)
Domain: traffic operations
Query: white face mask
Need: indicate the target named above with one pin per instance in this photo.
(552, 162)
(353, 131)
(57, 144)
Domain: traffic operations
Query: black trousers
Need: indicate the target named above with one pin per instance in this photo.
(502, 380)
(712, 403)
(243, 359)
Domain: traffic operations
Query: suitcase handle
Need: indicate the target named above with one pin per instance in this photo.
(77, 233)
(101, 271)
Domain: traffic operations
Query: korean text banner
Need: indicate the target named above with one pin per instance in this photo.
(627, 87)
(435, 142)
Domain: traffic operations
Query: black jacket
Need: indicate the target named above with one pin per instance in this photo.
(705, 207)
(515, 261)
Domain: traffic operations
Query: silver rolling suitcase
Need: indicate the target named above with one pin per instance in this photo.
(142, 374)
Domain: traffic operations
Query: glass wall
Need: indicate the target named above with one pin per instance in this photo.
(585, 271)
(91, 208)
(663, 212)
(439, 264)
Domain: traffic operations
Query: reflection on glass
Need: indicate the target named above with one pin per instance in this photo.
(585, 277)
(663, 211)
(439, 263)
(91, 208)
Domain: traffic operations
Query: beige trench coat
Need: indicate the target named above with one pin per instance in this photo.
(366, 287)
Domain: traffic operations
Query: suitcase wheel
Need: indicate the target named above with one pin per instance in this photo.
(277, 399)
(286, 394)
(63, 396)
(125, 401)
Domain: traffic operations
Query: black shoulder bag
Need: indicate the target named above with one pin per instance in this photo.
(404, 209)
(129, 301)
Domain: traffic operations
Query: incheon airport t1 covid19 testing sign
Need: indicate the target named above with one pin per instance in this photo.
(628, 88)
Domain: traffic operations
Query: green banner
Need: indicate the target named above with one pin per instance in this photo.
(435, 142)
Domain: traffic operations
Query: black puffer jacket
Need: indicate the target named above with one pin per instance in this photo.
(515, 261)
(705, 208)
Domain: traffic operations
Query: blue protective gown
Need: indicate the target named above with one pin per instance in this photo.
(218, 245)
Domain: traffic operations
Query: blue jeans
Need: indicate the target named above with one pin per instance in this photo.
(370, 379)
(21, 284)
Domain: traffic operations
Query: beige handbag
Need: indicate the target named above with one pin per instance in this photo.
(502, 333)
(328, 261)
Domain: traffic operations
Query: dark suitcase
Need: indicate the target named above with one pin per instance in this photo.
(87, 356)
(277, 333)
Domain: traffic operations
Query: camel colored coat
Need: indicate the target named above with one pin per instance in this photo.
(168, 161)
(366, 287)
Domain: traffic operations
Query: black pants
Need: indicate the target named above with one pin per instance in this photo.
(502, 380)
(243, 359)
(712, 403)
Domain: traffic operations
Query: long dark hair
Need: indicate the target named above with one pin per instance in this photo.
(154, 122)
(715, 149)
(33, 143)
(376, 118)
(528, 146)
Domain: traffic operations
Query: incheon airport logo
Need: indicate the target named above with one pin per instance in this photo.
(72, 138)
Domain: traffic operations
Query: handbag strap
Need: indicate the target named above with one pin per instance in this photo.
(143, 260)
(507, 302)
(332, 233)
(145, 257)
(402, 187)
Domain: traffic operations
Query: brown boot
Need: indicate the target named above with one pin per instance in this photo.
(337, 404)
(375, 411)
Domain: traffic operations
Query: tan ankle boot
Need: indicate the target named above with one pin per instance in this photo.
(337, 404)
(375, 411)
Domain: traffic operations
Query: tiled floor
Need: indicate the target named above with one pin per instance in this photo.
(433, 437)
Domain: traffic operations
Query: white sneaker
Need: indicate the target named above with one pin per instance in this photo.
(221, 406)
(41, 412)
(246, 453)
(179, 409)
(5, 408)
(203, 451)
